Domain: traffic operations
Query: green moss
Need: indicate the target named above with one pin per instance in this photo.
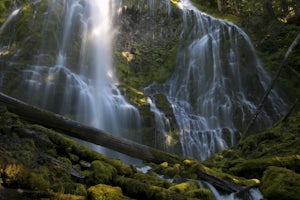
(280, 183)
(59, 174)
(254, 168)
(201, 193)
(36, 182)
(206, 7)
(15, 175)
(105, 192)
(152, 179)
(169, 170)
(102, 172)
(59, 196)
(192, 168)
(135, 96)
(65, 160)
(138, 189)
(185, 187)
(80, 190)
(150, 63)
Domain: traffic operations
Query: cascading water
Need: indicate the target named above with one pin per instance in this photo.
(162, 128)
(83, 88)
(217, 82)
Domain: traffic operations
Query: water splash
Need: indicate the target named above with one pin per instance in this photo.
(248, 194)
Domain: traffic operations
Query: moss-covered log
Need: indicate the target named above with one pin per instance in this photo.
(87, 133)
(96, 136)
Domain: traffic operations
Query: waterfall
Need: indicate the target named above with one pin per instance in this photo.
(80, 84)
(217, 83)
(162, 126)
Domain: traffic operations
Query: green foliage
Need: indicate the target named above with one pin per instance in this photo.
(280, 183)
(210, 7)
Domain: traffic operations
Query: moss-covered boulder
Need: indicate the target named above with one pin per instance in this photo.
(15, 175)
(192, 189)
(105, 192)
(139, 189)
(280, 183)
(254, 168)
(102, 172)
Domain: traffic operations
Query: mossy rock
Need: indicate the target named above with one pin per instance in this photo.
(151, 178)
(255, 168)
(280, 184)
(16, 175)
(201, 193)
(80, 190)
(59, 196)
(140, 190)
(105, 192)
(185, 187)
(102, 172)
(171, 171)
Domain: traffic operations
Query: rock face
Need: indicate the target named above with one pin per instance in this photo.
(146, 44)
(145, 51)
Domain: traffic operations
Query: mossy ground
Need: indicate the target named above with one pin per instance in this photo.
(48, 165)
(252, 157)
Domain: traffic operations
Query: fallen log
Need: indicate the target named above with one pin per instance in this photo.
(102, 138)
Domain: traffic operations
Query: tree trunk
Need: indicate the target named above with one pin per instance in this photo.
(269, 11)
(219, 2)
(99, 137)
(297, 9)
